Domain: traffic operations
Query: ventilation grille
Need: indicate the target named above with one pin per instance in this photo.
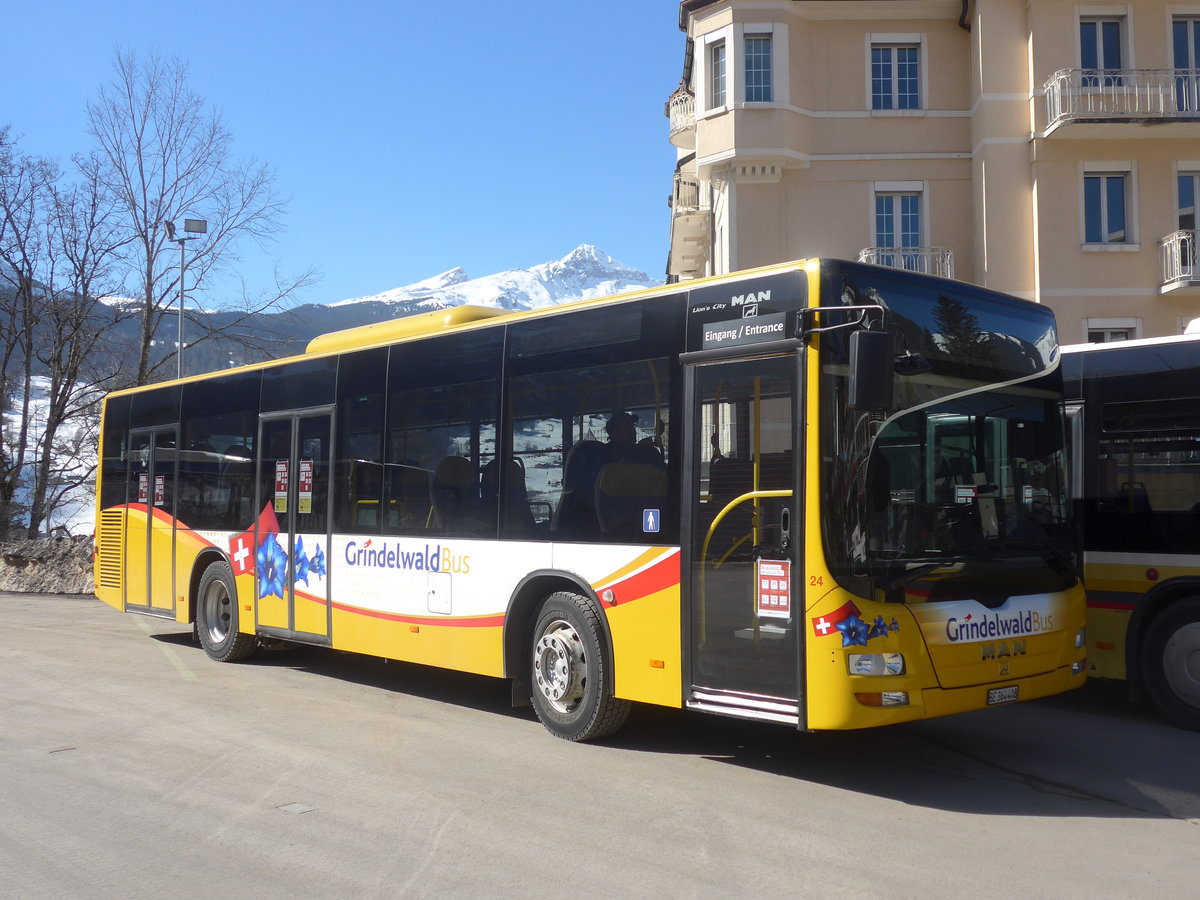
(110, 549)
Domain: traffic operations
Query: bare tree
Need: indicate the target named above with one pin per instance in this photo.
(24, 194)
(166, 156)
(82, 242)
(56, 245)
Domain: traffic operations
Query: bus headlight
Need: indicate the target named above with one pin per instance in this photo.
(1081, 638)
(876, 664)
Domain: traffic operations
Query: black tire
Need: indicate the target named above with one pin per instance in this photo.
(217, 616)
(568, 678)
(1171, 663)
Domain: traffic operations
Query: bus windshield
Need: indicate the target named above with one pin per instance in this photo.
(965, 474)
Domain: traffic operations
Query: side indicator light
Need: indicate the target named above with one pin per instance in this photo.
(657, 664)
(415, 629)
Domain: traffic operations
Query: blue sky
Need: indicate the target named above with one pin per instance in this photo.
(410, 137)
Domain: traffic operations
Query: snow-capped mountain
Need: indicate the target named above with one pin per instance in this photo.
(582, 274)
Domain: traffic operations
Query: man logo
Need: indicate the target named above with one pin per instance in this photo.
(752, 297)
(1001, 650)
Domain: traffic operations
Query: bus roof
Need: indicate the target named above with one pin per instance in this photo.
(466, 316)
(1139, 342)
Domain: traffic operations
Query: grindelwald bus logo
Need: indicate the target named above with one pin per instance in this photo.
(998, 625)
(430, 558)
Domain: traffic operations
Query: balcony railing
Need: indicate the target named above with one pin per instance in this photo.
(690, 229)
(1117, 95)
(686, 195)
(1178, 254)
(681, 110)
(930, 260)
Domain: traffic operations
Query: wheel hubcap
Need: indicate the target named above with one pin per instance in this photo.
(217, 614)
(559, 667)
(1181, 663)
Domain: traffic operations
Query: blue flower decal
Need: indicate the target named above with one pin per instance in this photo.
(854, 631)
(879, 628)
(302, 562)
(317, 565)
(272, 563)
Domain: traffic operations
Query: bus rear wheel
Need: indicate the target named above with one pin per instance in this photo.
(1172, 663)
(217, 616)
(568, 671)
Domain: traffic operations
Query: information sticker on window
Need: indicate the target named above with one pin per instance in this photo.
(304, 485)
(281, 485)
(774, 588)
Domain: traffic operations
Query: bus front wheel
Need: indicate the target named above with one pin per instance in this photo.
(217, 616)
(568, 671)
(1172, 663)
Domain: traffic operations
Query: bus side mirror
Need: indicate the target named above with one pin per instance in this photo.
(872, 370)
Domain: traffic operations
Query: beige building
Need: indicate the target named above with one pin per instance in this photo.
(1046, 148)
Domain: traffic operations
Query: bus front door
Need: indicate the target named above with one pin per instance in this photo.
(745, 534)
(291, 581)
(150, 522)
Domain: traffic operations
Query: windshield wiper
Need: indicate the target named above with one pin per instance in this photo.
(1053, 556)
(910, 575)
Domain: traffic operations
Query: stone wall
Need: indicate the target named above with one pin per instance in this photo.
(51, 566)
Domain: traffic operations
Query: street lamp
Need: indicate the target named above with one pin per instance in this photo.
(193, 228)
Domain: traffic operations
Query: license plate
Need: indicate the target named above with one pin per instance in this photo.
(1002, 695)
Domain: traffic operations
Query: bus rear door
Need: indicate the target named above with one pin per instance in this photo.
(150, 542)
(294, 460)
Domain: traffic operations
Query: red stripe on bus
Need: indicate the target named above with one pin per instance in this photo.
(1110, 604)
(660, 576)
(463, 622)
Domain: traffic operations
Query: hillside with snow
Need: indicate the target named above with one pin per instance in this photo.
(584, 273)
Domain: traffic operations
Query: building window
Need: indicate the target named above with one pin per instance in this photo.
(1108, 335)
(758, 68)
(1189, 189)
(898, 220)
(716, 74)
(1107, 330)
(898, 230)
(1100, 56)
(894, 76)
(1185, 36)
(1105, 200)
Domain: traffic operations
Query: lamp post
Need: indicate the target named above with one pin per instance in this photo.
(193, 228)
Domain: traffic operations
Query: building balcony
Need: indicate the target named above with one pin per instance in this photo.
(681, 110)
(691, 230)
(1122, 96)
(928, 260)
(1177, 251)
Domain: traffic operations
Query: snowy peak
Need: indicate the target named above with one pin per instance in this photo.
(584, 273)
(457, 275)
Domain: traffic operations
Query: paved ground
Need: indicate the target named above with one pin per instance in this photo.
(134, 767)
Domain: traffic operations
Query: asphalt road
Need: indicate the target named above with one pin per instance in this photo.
(135, 767)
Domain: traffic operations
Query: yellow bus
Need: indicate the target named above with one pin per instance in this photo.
(822, 494)
(1134, 414)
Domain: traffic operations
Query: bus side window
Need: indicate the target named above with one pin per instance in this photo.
(576, 513)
